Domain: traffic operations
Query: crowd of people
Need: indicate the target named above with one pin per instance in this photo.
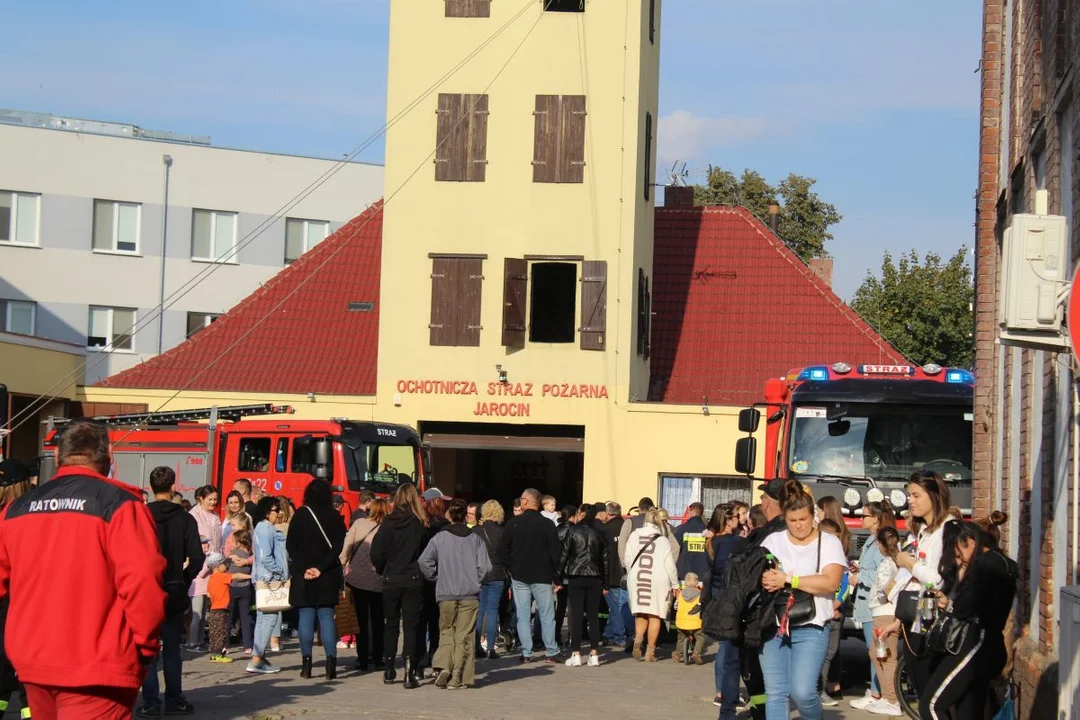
(449, 583)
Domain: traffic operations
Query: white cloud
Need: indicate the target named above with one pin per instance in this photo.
(684, 136)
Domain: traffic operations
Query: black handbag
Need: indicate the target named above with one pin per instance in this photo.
(796, 606)
(907, 605)
(947, 634)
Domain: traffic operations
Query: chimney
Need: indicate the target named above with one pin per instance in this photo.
(676, 196)
(822, 267)
(774, 218)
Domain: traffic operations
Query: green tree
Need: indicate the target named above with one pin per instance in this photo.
(805, 218)
(923, 307)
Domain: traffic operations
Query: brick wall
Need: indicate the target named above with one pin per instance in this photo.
(1044, 74)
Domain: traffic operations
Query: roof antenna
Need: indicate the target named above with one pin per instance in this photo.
(678, 174)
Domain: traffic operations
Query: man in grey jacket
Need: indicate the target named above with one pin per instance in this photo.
(456, 560)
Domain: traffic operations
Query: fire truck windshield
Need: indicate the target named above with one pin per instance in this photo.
(879, 441)
(382, 467)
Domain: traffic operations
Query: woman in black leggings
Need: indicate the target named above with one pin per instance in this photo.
(981, 581)
(584, 562)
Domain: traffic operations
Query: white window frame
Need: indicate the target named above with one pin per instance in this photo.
(112, 329)
(306, 224)
(13, 229)
(215, 253)
(116, 205)
(7, 314)
(207, 318)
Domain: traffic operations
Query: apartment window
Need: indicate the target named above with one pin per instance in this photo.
(17, 316)
(461, 138)
(111, 328)
(559, 142)
(564, 5)
(644, 320)
(198, 321)
(468, 8)
(116, 226)
(540, 299)
(213, 236)
(648, 155)
(302, 235)
(456, 285)
(19, 217)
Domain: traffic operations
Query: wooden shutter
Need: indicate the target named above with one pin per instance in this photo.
(648, 320)
(652, 21)
(648, 155)
(641, 311)
(446, 136)
(593, 305)
(456, 286)
(468, 8)
(475, 169)
(571, 139)
(515, 286)
(546, 139)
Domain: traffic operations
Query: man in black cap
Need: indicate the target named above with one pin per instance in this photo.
(772, 494)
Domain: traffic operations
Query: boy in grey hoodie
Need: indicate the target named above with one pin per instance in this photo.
(456, 560)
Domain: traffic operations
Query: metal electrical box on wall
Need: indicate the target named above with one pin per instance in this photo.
(1034, 275)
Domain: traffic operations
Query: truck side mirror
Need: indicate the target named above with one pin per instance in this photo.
(323, 458)
(746, 455)
(749, 419)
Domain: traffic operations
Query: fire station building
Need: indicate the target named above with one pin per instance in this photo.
(518, 296)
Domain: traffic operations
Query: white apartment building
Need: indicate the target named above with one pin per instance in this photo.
(101, 222)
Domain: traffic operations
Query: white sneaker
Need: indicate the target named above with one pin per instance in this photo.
(594, 661)
(882, 706)
(574, 661)
(342, 645)
(864, 702)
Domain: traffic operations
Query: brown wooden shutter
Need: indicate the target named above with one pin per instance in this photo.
(648, 320)
(652, 21)
(515, 286)
(476, 153)
(545, 142)
(641, 311)
(449, 113)
(468, 8)
(571, 139)
(456, 287)
(593, 305)
(648, 155)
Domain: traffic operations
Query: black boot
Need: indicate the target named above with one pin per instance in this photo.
(411, 680)
(389, 673)
(331, 668)
(305, 667)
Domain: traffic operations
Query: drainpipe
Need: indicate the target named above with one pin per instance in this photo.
(167, 160)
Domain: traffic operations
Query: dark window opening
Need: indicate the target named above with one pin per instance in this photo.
(254, 455)
(552, 302)
(564, 5)
(303, 459)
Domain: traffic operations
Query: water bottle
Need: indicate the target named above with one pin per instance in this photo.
(928, 605)
(881, 649)
(771, 563)
(916, 624)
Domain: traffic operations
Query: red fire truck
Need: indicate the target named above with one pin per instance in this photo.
(220, 445)
(859, 432)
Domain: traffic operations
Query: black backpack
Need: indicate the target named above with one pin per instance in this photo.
(741, 611)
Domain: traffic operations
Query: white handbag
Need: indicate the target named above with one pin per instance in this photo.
(272, 596)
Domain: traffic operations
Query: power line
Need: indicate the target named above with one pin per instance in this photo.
(50, 394)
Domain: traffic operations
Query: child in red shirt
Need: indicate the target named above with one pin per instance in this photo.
(217, 588)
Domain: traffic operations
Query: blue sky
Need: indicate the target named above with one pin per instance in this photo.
(876, 99)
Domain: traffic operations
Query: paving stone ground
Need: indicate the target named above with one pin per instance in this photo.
(621, 687)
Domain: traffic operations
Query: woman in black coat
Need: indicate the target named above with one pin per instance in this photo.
(316, 536)
(395, 550)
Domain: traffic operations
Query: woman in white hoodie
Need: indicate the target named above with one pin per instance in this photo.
(651, 577)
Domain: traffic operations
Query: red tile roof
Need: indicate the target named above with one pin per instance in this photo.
(733, 306)
(295, 334)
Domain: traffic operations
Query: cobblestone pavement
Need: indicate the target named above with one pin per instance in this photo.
(504, 689)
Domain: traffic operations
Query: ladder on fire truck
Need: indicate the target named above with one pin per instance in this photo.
(227, 413)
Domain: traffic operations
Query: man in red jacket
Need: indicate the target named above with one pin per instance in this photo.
(79, 560)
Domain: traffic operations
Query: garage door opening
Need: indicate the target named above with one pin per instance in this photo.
(481, 462)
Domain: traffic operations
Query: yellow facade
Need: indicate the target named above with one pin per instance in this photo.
(41, 376)
(610, 55)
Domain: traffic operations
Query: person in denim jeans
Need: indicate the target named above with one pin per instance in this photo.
(875, 516)
(813, 562)
(532, 550)
(271, 565)
(491, 530)
(619, 617)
